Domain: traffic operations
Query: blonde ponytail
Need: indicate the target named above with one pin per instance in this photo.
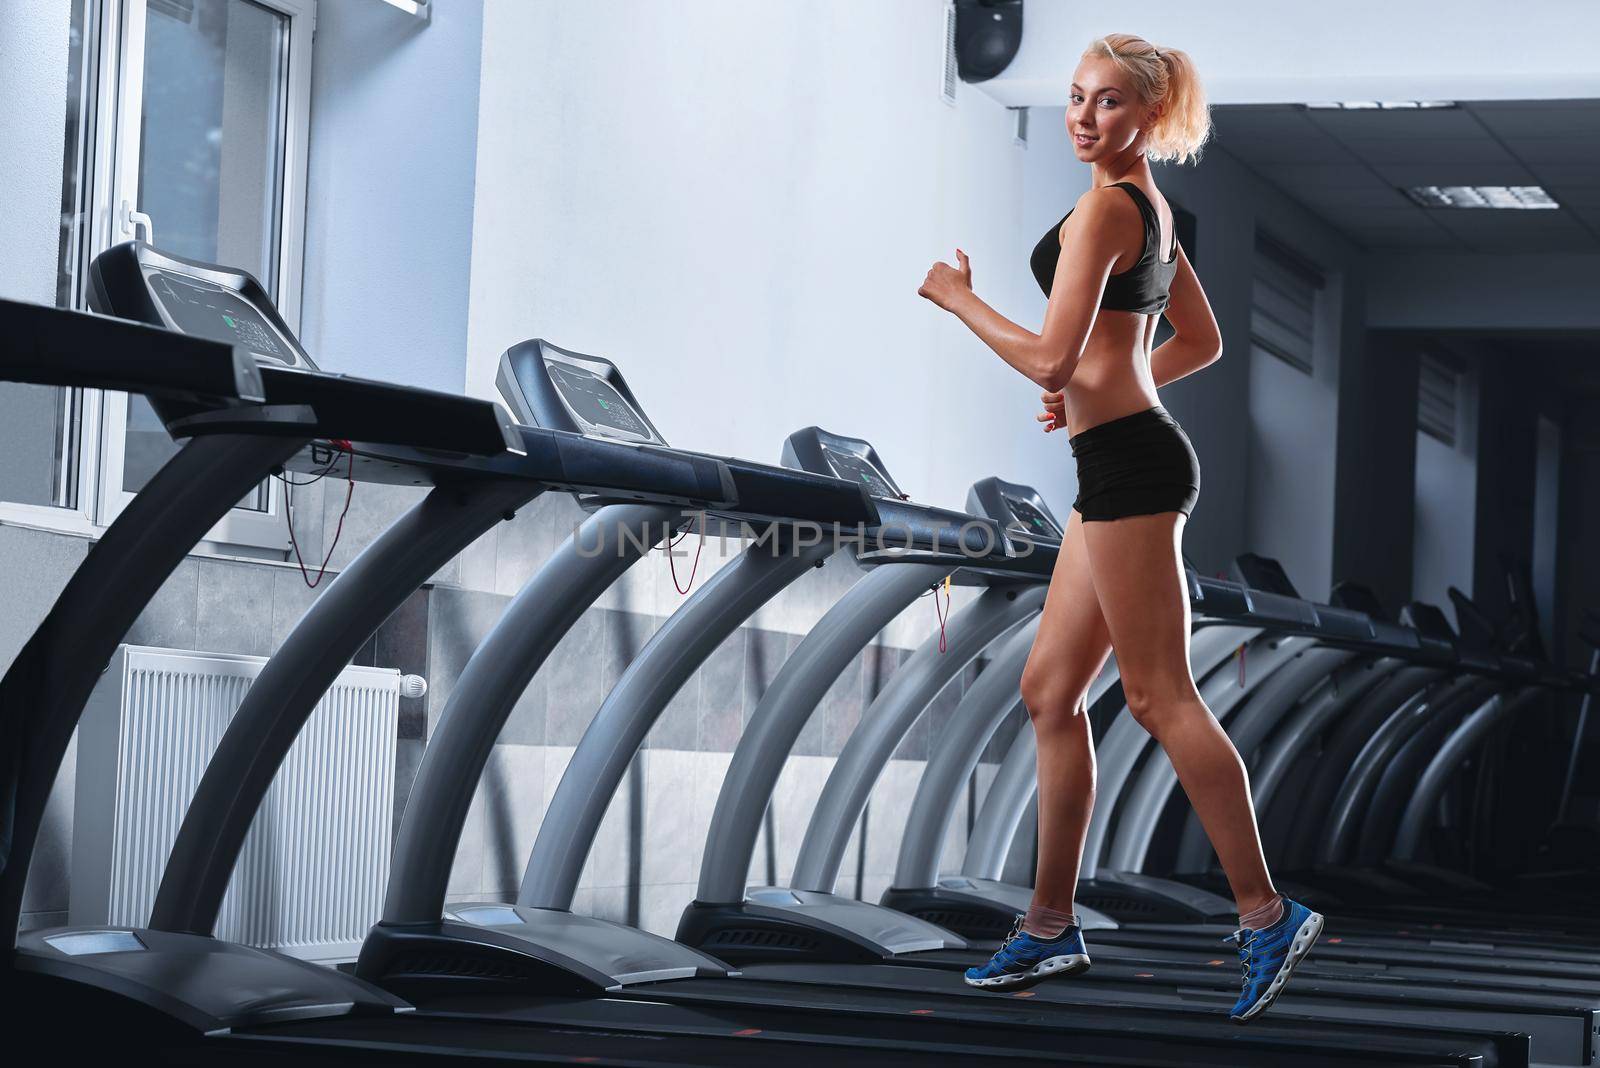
(1163, 76)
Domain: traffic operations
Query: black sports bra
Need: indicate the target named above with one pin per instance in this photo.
(1143, 288)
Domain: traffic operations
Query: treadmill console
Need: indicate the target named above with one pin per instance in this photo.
(1476, 629)
(399, 430)
(852, 459)
(195, 306)
(557, 389)
(1019, 509)
(1263, 573)
(1359, 598)
(135, 281)
(1427, 620)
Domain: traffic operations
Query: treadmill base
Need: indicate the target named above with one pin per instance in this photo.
(200, 982)
(1133, 897)
(780, 924)
(978, 909)
(495, 946)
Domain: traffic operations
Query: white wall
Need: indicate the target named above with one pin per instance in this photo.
(1266, 51)
(394, 122)
(737, 203)
(33, 115)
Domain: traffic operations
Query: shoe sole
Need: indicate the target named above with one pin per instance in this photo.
(1304, 939)
(1068, 964)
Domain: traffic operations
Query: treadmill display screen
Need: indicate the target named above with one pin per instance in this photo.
(855, 468)
(211, 311)
(1029, 519)
(596, 404)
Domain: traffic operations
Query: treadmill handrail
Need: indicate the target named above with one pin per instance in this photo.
(363, 409)
(47, 346)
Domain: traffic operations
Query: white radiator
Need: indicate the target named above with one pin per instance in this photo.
(311, 878)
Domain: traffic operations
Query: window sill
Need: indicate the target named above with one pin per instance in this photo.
(72, 524)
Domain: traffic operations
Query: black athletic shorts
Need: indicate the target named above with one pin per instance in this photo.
(1139, 464)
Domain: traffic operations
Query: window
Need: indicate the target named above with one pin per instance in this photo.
(41, 427)
(1283, 305)
(187, 129)
(1438, 393)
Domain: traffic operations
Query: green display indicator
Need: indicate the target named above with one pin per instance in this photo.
(229, 320)
(603, 403)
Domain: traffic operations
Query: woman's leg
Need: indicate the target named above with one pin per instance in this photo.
(1068, 653)
(1136, 564)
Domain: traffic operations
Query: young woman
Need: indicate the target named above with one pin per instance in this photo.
(1110, 269)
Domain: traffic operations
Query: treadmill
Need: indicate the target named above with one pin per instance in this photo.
(1148, 939)
(500, 958)
(108, 967)
(973, 904)
(244, 418)
(207, 836)
(1389, 799)
(176, 987)
(1560, 1015)
(1558, 1022)
(287, 1028)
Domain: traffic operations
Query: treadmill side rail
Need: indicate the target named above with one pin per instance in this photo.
(56, 347)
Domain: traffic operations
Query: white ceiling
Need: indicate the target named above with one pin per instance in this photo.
(1348, 166)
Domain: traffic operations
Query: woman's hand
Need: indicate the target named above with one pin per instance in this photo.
(1054, 416)
(945, 283)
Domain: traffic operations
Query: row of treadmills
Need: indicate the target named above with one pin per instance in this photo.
(1356, 726)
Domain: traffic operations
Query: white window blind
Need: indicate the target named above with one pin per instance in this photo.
(1283, 304)
(1438, 393)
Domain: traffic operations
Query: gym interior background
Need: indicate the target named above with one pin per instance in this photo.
(736, 201)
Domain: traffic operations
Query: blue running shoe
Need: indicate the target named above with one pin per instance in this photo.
(1269, 956)
(1023, 960)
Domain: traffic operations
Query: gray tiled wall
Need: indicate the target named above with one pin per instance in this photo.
(646, 860)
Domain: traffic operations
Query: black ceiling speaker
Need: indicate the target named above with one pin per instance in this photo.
(988, 34)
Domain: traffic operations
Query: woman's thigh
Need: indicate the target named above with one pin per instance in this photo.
(1073, 642)
(1137, 567)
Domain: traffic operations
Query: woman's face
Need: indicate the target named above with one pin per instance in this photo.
(1103, 111)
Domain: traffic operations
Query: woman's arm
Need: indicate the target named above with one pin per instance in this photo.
(1088, 252)
(1196, 341)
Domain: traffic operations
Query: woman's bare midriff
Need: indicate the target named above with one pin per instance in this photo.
(1113, 376)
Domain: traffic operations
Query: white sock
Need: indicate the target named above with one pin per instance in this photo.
(1265, 916)
(1047, 923)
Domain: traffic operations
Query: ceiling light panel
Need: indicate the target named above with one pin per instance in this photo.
(1481, 196)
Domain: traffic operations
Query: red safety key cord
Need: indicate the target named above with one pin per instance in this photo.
(672, 561)
(349, 493)
(942, 613)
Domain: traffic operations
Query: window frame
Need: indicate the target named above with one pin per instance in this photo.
(260, 530)
(111, 148)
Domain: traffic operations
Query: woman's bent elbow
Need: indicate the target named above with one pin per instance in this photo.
(1056, 377)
